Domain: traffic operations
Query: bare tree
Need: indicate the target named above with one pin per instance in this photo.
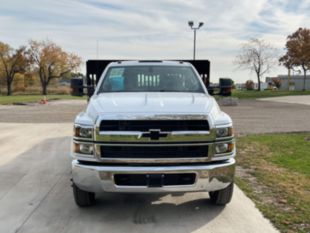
(258, 56)
(298, 52)
(12, 61)
(51, 61)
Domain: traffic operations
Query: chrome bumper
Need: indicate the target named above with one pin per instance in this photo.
(98, 178)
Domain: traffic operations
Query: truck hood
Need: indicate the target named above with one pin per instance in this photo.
(159, 103)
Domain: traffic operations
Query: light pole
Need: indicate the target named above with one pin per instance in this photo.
(191, 24)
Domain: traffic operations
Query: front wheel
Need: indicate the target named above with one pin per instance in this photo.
(222, 197)
(83, 198)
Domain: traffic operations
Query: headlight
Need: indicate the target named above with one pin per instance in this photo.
(224, 132)
(84, 148)
(222, 148)
(83, 132)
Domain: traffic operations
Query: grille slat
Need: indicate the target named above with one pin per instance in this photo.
(150, 152)
(146, 125)
(154, 180)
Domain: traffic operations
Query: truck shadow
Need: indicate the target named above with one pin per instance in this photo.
(158, 208)
(152, 212)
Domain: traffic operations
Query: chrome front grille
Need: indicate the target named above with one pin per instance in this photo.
(146, 125)
(154, 153)
(151, 151)
(154, 139)
(179, 129)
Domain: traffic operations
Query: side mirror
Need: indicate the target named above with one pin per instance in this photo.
(77, 87)
(210, 90)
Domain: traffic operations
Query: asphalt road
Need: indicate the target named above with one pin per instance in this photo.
(35, 195)
(250, 116)
(302, 99)
(267, 116)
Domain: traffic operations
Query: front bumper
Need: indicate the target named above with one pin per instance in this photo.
(98, 178)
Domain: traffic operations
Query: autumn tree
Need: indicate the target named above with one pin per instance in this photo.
(258, 56)
(276, 82)
(298, 52)
(12, 61)
(1, 76)
(51, 61)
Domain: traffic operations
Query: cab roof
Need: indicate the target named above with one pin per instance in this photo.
(149, 62)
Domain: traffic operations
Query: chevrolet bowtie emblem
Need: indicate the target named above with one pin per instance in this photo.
(154, 134)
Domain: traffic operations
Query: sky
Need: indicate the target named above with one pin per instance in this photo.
(155, 29)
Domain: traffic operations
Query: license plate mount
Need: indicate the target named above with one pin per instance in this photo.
(155, 180)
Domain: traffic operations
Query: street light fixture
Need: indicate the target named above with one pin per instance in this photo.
(191, 24)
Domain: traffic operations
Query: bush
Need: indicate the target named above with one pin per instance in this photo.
(37, 90)
(249, 85)
(64, 90)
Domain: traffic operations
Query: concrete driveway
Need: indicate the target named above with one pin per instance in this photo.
(35, 192)
(35, 195)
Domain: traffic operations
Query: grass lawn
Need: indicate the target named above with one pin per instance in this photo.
(268, 93)
(274, 171)
(33, 98)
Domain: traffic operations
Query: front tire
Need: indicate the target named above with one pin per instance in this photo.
(222, 197)
(83, 198)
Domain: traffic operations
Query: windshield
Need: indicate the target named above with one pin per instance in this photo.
(151, 79)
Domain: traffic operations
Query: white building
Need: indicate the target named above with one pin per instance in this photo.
(296, 82)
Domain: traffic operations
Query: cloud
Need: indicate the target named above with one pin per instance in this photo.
(155, 29)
